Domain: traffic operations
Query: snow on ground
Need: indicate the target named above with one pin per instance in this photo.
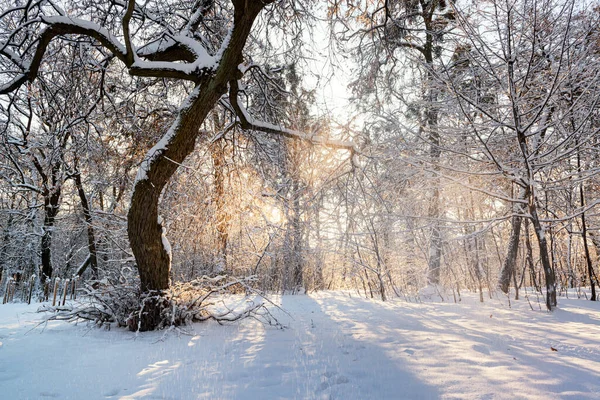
(337, 346)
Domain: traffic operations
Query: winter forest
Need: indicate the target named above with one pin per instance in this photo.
(304, 166)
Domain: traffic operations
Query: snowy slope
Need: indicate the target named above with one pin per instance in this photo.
(337, 346)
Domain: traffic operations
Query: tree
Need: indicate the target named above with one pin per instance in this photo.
(524, 53)
(151, 41)
(396, 31)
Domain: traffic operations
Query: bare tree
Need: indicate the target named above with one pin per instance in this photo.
(202, 46)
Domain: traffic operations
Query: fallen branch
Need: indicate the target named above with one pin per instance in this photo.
(206, 298)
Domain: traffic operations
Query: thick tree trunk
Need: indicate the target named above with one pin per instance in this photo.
(145, 231)
(435, 241)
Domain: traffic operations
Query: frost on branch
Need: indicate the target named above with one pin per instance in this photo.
(220, 299)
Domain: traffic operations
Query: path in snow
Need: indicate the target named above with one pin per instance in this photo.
(336, 347)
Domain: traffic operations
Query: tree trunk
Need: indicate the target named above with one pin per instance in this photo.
(588, 257)
(87, 215)
(435, 150)
(222, 216)
(543, 245)
(297, 236)
(51, 199)
(434, 212)
(145, 231)
(508, 267)
(529, 258)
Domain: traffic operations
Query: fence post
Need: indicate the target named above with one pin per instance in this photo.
(6, 291)
(31, 284)
(13, 286)
(56, 281)
(46, 287)
(65, 290)
(73, 287)
(24, 289)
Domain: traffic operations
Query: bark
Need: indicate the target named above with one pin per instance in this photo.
(529, 257)
(510, 261)
(431, 120)
(51, 200)
(92, 260)
(588, 257)
(293, 246)
(543, 246)
(297, 236)
(222, 216)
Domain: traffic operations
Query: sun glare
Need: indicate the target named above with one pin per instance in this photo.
(273, 214)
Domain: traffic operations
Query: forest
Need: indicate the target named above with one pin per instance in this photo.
(151, 151)
(300, 199)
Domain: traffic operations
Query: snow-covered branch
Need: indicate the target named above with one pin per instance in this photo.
(248, 122)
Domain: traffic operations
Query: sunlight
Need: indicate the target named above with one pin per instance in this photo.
(273, 214)
(342, 199)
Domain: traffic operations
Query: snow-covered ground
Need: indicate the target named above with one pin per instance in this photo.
(337, 346)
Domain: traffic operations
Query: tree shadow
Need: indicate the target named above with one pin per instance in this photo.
(316, 357)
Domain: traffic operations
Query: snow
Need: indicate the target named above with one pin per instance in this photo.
(164, 240)
(88, 25)
(159, 148)
(203, 60)
(336, 346)
(224, 45)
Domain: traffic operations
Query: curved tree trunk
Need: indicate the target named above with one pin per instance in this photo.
(146, 236)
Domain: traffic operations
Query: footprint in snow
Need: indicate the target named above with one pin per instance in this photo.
(49, 394)
(332, 379)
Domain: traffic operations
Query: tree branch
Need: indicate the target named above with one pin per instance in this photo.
(247, 122)
(129, 54)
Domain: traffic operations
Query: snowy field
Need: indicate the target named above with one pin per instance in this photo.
(337, 346)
